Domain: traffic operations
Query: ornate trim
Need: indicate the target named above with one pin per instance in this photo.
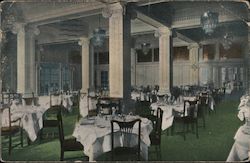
(163, 31)
(83, 41)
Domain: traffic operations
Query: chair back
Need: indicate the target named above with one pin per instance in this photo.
(157, 125)
(5, 109)
(7, 97)
(126, 129)
(60, 127)
(55, 99)
(153, 98)
(192, 109)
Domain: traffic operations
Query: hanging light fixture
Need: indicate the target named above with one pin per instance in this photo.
(99, 35)
(209, 21)
(227, 40)
(145, 48)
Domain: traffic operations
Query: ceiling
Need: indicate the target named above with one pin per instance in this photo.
(165, 12)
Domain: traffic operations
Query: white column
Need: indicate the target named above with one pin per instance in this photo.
(26, 69)
(133, 67)
(119, 52)
(165, 62)
(21, 62)
(84, 42)
(92, 67)
(32, 31)
(194, 61)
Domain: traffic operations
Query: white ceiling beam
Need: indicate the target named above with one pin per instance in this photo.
(148, 20)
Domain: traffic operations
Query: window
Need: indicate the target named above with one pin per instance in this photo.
(181, 53)
(104, 58)
(141, 57)
(156, 55)
(208, 52)
(104, 79)
(233, 52)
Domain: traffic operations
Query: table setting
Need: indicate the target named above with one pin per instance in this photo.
(94, 133)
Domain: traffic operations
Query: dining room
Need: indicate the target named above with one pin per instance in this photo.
(110, 80)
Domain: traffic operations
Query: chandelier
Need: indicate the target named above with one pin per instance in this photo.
(209, 21)
(99, 35)
(145, 48)
(227, 40)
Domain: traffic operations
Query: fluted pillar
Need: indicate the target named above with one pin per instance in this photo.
(84, 42)
(194, 61)
(165, 59)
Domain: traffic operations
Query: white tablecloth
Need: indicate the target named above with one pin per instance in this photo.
(168, 117)
(95, 136)
(241, 147)
(44, 101)
(87, 104)
(140, 96)
(31, 118)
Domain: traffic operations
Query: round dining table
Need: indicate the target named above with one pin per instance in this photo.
(94, 133)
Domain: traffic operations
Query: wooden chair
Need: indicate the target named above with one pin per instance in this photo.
(13, 128)
(204, 101)
(126, 129)
(50, 118)
(105, 105)
(69, 144)
(192, 117)
(155, 136)
(189, 118)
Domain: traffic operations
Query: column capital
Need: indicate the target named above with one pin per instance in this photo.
(18, 28)
(83, 41)
(113, 9)
(163, 31)
(33, 30)
(192, 46)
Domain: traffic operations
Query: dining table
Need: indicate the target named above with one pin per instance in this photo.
(63, 99)
(94, 133)
(31, 117)
(168, 112)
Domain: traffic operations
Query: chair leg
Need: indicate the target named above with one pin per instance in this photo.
(184, 132)
(21, 137)
(160, 151)
(197, 134)
(62, 155)
(41, 134)
(10, 144)
(204, 122)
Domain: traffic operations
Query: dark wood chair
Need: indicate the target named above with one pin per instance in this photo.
(187, 117)
(50, 118)
(155, 136)
(13, 128)
(126, 129)
(105, 105)
(204, 101)
(69, 144)
(192, 117)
